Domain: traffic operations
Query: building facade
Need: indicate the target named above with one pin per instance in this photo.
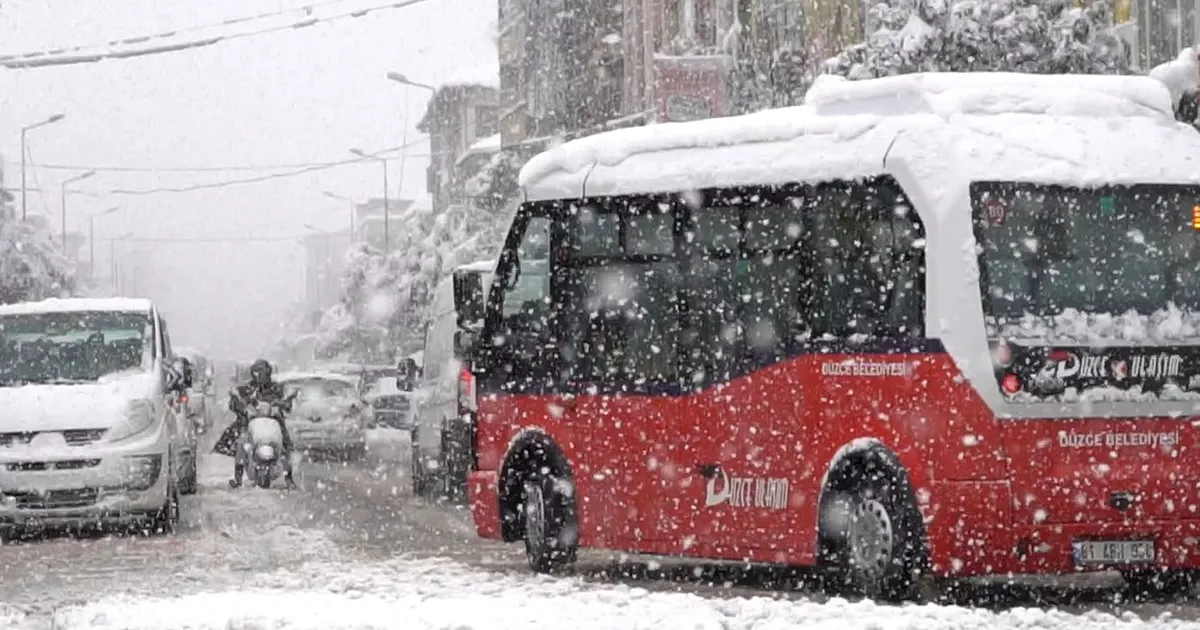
(325, 262)
(461, 122)
(369, 221)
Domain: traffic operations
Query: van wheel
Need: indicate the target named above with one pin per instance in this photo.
(882, 556)
(551, 530)
(420, 480)
(189, 484)
(166, 520)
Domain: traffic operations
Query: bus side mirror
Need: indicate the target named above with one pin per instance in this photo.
(468, 299)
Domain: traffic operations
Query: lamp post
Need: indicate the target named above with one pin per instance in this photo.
(333, 195)
(434, 143)
(400, 78)
(324, 265)
(112, 260)
(64, 204)
(92, 237)
(51, 120)
(387, 240)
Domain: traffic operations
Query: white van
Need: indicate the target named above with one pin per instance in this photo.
(435, 429)
(93, 428)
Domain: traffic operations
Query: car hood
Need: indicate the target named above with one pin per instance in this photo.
(99, 405)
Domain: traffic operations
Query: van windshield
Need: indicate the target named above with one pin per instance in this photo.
(74, 347)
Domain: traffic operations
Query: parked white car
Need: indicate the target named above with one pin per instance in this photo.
(92, 428)
(328, 416)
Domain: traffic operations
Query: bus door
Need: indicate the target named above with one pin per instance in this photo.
(622, 321)
(520, 385)
(739, 431)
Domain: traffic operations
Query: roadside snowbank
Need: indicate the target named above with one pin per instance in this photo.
(440, 594)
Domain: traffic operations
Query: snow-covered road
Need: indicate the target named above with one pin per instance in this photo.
(353, 549)
(425, 593)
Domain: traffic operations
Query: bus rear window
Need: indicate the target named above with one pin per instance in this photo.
(1056, 253)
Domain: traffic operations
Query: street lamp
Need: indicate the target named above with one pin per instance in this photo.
(387, 241)
(333, 195)
(400, 78)
(64, 204)
(51, 120)
(323, 267)
(92, 237)
(112, 260)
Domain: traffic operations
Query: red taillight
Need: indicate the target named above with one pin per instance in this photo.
(183, 398)
(466, 390)
(1011, 384)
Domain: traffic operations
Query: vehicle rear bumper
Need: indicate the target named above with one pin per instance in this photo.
(971, 533)
(483, 491)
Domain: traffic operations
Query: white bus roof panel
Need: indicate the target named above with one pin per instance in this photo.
(1071, 130)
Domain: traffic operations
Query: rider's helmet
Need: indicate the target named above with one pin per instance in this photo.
(260, 372)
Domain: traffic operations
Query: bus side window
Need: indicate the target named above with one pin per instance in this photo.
(869, 262)
(620, 306)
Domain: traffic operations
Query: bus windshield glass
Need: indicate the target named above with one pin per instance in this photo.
(1117, 262)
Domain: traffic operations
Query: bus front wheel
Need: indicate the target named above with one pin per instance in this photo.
(882, 553)
(551, 532)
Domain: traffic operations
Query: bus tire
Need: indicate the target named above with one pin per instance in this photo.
(551, 530)
(883, 553)
(1153, 583)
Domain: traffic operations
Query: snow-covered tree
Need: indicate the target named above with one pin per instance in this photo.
(32, 265)
(1182, 78)
(381, 313)
(1034, 36)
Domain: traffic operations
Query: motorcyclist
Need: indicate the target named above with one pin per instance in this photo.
(242, 402)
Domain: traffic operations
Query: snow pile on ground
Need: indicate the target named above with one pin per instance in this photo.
(440, 594)
(11, 617)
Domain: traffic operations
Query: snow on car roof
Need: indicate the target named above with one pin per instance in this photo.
(1062, 129)
(479, 265)
(328, 376)
(69, 305)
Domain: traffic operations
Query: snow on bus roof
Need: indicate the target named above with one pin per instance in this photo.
(69, 305)
(948, 93)
(1060, 129)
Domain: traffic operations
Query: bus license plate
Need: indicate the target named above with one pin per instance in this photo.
(1114, 552)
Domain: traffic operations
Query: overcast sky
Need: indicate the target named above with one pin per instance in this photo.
(297, 96)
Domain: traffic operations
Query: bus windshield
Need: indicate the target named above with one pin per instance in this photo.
(1111, 262)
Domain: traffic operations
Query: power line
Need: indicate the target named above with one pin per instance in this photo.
(258, 179)
(185, 169)
(141, 39)
(215, 239)
(24, 62)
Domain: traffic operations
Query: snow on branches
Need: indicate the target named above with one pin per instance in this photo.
(32, 266)
(1034, 36)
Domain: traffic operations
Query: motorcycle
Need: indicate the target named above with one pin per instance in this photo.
(260, 452)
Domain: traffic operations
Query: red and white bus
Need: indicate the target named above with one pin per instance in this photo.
(938, 325)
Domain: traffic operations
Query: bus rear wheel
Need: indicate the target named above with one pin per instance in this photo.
(551, 532)
(882, 554)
